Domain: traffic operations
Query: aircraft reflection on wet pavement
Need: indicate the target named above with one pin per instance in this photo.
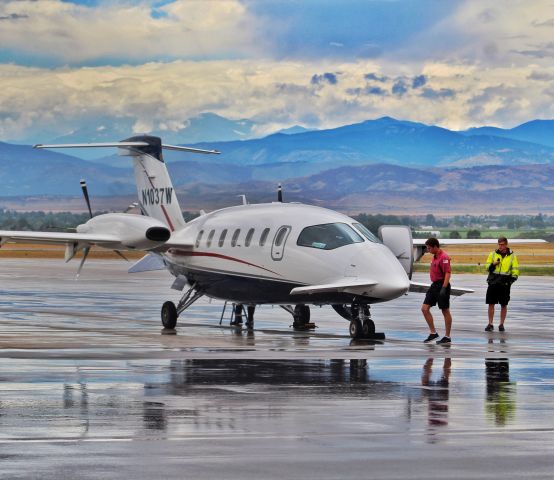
(224, 394)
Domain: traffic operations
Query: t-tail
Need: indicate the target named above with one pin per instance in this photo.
(156, 194)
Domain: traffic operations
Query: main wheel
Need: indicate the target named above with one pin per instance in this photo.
(169, 315)
(301, 316)
(368, 328)
(356, 329)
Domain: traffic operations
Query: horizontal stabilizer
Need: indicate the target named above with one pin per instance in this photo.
(346, 285)
(148, 263)
(188, 149)
(125, 145)
(423, 287)
(94, 145)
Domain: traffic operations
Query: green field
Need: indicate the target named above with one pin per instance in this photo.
(480, 269)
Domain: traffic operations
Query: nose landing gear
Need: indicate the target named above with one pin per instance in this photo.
(361, 324)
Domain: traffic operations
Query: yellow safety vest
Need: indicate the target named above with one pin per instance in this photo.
(508, 264)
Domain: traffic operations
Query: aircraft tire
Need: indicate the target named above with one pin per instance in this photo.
(368, 328)
(169, 315)
(356, 329)
(301, 316)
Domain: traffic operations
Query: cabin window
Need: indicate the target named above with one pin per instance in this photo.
(248, 238)
(235, 238)
(199, 238)
(280, 236)
(222, 237)
(328, 236)
(210, 238)
(263, 237)
(366, 233)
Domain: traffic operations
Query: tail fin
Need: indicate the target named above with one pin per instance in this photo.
(156, 194)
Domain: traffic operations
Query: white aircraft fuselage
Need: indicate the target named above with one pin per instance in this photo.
(246, 268)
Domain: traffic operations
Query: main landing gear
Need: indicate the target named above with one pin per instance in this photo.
(361, 324)
(170, 312)
(301, 316)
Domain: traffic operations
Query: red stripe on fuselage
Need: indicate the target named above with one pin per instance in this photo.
(186, 253)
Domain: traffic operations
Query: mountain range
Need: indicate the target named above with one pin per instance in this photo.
(377, 163)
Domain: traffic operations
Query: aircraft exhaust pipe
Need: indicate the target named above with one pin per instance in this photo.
(158, 234)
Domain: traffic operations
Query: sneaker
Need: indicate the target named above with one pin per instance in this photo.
(501, 328)
(489, 327)
(444, 340)
(431, 337)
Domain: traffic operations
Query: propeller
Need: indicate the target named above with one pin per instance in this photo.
(279, 194)
(85, 193)
(70, 251)
(86, 250)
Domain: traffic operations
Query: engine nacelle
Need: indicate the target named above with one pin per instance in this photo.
(130, 232)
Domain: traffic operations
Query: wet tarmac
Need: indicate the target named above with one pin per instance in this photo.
(90, 387)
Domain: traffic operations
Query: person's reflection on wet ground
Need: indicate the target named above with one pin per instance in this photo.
(154, 416)
(437, 394)
(500, 403)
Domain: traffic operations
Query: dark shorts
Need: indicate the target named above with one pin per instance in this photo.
(498, 294)
(433, 296)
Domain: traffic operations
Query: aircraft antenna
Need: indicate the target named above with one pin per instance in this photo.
(279, 194)
(85, 193)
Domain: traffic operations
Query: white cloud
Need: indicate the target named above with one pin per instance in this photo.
(484, 64)
(488, 33)
(74, 33)
(274, 94)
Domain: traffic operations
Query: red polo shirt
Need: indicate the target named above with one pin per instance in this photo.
(440, 266)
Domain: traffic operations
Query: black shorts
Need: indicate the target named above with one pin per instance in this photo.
(498, 293)
(433, 296)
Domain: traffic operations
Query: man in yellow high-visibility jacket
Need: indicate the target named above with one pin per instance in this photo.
(503, 270)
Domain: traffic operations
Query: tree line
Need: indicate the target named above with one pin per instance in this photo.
(67, 221)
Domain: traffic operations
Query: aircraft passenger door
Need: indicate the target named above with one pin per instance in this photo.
(278, 246)
(398, 238)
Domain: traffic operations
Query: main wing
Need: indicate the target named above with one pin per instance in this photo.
(57, 238)
(72, 241)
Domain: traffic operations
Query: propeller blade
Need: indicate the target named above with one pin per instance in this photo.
(121, 255)
(279, 194)
(85, 254)
(85, 193)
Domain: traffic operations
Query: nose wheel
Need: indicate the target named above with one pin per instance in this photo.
(361, 324)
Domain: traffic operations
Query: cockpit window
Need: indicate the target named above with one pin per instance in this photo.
(366, 233)
(328, 236)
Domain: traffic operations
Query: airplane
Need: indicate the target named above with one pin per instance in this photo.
(288, 254)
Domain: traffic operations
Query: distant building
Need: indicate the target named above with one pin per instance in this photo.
(429, 233)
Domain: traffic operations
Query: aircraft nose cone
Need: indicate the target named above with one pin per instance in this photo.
(394, 286)
(383, 267)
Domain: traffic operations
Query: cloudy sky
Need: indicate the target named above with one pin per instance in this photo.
(315, 63)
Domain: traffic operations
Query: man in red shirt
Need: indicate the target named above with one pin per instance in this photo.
(439, 292)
